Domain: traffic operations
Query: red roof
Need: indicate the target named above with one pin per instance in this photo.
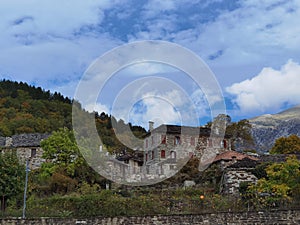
(229, 155)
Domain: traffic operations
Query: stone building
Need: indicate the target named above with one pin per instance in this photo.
(237, 168)
(168, 147)
(126, 168)
(27, 146)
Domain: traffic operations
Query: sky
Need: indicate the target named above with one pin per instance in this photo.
(251, 46)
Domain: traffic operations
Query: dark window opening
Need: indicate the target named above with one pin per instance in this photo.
(177, 140)
(33, 152)
(224, 144)
(163, 154)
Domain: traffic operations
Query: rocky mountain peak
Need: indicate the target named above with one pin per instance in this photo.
(267, 128)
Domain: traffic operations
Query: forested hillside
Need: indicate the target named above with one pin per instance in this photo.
(29, 109)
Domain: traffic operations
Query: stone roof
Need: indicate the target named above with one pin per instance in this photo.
(276, 158)
(2, 141)
(137, 156)
(23, 140)
(176, 129)
(245, 163)
(28, 140)
(229, 155)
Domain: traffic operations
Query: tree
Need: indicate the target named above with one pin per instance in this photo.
(12, 175)
(61, 150)
(286, 145)
(65, 168)
(240, 133)
(281, 184)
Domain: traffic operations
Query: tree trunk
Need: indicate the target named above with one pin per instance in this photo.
(3, 203)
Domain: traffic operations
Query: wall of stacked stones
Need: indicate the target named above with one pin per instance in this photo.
(291, 217)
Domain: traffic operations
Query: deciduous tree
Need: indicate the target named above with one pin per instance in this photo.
(12, 176)
(282, 182)
(61, 151)
(286, 145)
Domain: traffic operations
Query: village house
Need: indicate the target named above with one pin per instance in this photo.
(169, 147)
(126, 168)
(27, 146)
(237, 168)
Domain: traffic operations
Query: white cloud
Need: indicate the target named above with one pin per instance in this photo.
(200, 102)
(160, 110)
(97, 107)
(51, 44)
(235, 43)
(156, 99)
(155, 7)
(148, 68)
(47, 18)
(269, 90)
(174, 107)
(252, 31)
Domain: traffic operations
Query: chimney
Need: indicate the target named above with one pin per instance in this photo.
(151, 126)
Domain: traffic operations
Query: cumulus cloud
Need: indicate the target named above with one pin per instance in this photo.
(97, 107)
(165, 107)
(51, 44)
(154, 7)
(270, 90)
(157, 99)
(148, 68)
(236, 38)
(158, 109)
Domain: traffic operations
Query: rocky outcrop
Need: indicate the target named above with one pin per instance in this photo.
(267, 128)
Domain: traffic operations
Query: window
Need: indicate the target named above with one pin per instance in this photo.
(152, 155)
(172, 167)
(146, 143)
(163, 139)
(224, 144)
(163, 154)
(33, 152)
(173, 155)
(146, 157)
(177, 140)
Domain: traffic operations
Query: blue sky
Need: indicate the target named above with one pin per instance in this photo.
(252, 47)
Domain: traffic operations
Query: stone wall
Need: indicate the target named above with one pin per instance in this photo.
(232, 178)
(27, 146)
(34, 154)
(291, 217)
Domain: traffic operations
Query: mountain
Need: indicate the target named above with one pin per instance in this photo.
(267, 128)
(28, 109)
